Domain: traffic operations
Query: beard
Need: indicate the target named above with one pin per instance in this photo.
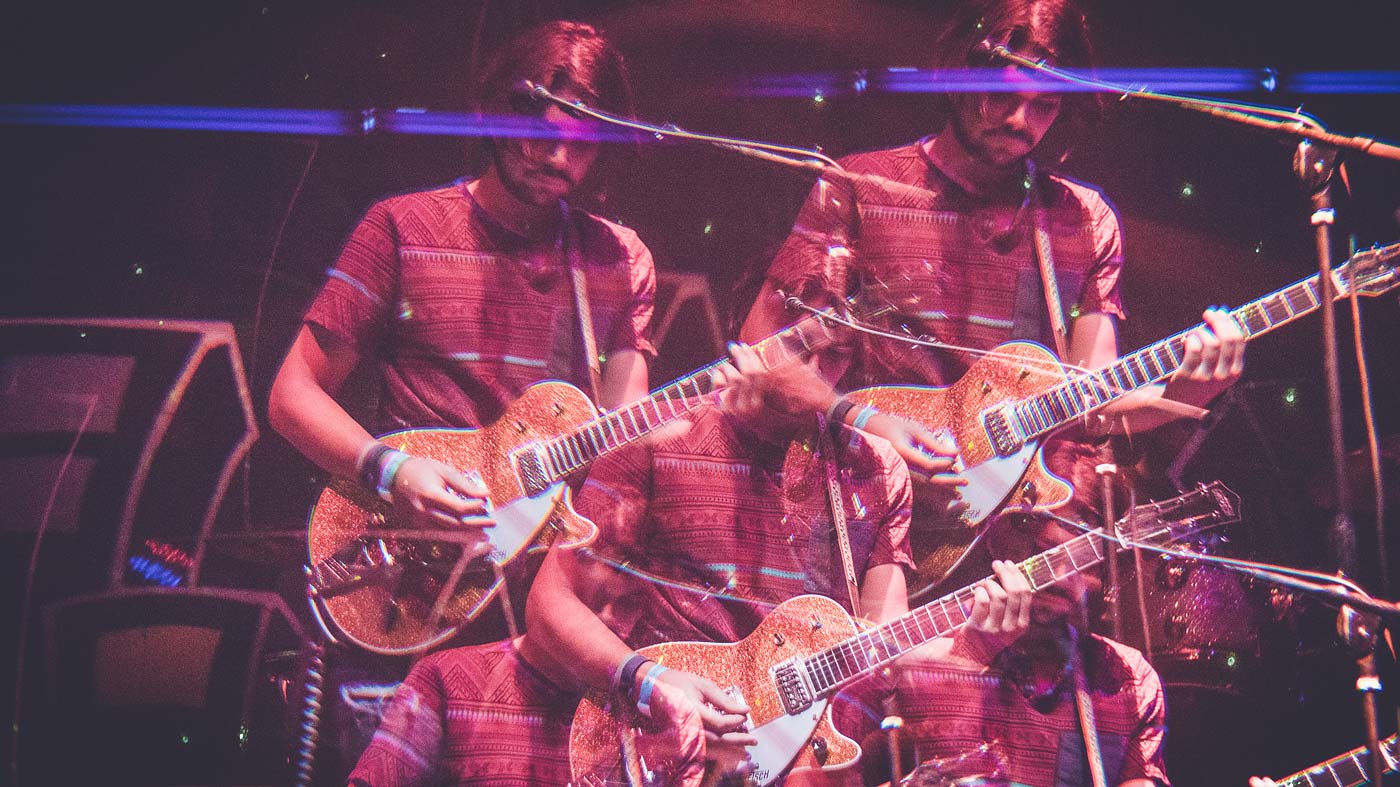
(525, 181)
(978, 143)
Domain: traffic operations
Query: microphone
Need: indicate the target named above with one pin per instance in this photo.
(537, 93)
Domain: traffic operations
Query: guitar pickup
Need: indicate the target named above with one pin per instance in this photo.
(1000, 432)
(793, 689)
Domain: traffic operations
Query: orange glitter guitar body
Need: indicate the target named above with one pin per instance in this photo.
(394, 589)
(808, 649)
(1000, 412)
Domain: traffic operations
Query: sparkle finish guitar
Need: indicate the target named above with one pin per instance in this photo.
(1345, 770)
(808, 648)
(393, 589)
(1000, 412)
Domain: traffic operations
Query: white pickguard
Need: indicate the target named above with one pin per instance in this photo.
(517, 522)
(779, 743)
(989, 483)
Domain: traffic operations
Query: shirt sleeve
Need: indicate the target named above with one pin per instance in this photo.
(1102, 291)
(891, 544)
(614, 497)
(633, 331)
(814, 261)
(355, 302)
(407, 748)
(1144, 758)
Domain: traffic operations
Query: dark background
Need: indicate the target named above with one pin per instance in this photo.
(173, 224)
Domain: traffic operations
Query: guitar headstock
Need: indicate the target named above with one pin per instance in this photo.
(1164, 522)
(1371, 272)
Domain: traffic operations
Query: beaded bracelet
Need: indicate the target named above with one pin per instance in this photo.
(648, 685)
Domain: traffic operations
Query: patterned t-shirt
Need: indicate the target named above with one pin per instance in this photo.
(714, 526)
(478, 715)
(956, 268)
(1018, 724)
(462, 314)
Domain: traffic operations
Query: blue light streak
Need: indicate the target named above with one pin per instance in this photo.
(828, 85)
(303, 121)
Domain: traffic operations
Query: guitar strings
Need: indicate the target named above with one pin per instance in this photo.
(1228, 562)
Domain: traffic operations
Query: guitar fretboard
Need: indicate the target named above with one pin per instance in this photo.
(1085, 391)
(1348, 770)
(858, 655)
(571, 452)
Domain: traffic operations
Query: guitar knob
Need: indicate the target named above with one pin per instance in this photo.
(986, 386)
(816, 623)
(778, 638)
(1030, 493)
(819, 749)
(520, 427)
(558, 409)
(1023, 372)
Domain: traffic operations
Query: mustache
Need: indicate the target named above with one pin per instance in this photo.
(1011, 133)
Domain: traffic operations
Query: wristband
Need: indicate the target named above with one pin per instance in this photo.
(863, 416)
(648, 685)
(625, 676)
(371, 462)
(387, 472)
(836, 415)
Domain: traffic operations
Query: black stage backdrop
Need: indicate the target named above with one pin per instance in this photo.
(182, 224)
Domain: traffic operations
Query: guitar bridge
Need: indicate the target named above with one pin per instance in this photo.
(1000, 433)
(793, 689)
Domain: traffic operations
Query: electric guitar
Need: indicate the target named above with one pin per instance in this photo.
(1008, 403)
(395, 589)
(808, 648)
(1346, 770)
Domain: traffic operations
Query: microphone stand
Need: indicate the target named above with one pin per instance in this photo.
(1314, 165)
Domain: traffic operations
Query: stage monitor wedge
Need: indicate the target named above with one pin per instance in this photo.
(121, 437)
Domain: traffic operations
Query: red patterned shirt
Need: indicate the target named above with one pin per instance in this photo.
(478, 715)
(732, 525)
(1024, 717)
(957, 268)
(462, 314)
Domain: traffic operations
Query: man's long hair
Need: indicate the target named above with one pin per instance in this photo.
(1055, 30)
(563, 56)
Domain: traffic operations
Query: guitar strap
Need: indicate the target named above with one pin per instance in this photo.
(827, 449)
(585, 315)
(1045, 257)
(1084, 704)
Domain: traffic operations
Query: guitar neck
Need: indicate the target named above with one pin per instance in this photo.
(1347, 770)
(834, 667)
(1085, 391)
(572, 452)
